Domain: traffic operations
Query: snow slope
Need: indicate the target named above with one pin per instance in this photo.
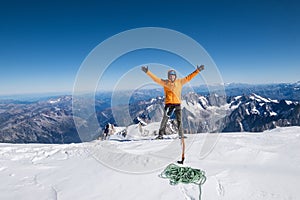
(240, 166)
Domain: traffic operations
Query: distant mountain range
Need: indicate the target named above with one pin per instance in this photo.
(250, 108)
(255, 114)
(48, 121)
(279, 91)
(213, 113)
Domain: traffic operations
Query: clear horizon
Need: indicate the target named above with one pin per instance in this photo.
(21, 96)
(43, 44)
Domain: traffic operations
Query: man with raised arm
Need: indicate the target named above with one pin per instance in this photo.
(172, 88)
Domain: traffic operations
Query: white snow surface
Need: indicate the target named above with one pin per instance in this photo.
(54, 101)
(248, 166)
(262, 99)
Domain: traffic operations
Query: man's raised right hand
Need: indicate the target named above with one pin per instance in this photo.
(145, 69)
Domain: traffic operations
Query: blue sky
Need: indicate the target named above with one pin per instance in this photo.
(43, 43)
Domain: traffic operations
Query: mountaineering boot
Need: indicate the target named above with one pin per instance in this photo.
(159, 137)
(161, 132)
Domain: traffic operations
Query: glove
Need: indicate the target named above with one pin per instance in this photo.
(200, 68)
(145, 69)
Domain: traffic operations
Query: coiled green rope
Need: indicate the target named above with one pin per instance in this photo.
(186, 175)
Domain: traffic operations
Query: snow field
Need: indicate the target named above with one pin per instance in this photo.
(248, 166)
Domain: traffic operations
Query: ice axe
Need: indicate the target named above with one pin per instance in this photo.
(182, 137)
(183, 149)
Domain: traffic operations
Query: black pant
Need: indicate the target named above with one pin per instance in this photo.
(169, 109)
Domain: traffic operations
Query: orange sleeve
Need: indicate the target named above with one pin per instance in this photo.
(189, 77)
(155, 78)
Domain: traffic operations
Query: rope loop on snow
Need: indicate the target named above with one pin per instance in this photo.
(186, 175)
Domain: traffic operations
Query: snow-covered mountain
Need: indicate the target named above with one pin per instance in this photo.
(213, 113)
(51, 120)
(253, 166)
(280, 91)
(257, 114)
(48, 121)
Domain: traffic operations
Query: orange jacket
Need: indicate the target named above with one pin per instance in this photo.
(173, 89)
